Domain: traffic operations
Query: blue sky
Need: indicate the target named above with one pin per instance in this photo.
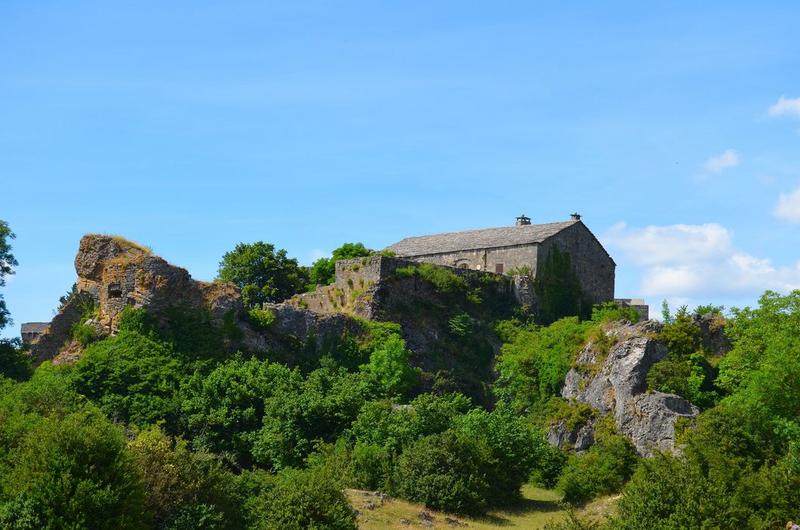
(191, 126)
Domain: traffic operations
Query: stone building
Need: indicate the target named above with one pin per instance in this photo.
(524, 245)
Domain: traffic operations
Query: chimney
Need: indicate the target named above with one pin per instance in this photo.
(522, 220)
(576, 216)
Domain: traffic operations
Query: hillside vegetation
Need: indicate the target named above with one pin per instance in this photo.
(160, 425)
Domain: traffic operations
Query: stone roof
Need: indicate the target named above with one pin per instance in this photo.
(505, 236)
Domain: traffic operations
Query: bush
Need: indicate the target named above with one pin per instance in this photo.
(533, 366)
(262, 318)
(298, 416)
(442, 279)
(224, 410)
(445, 472)
(71, 472)
(514, 450)
(300, 500)
(393, 427)
(603, 469)
(389, 365)
(182, 487)
(133, 379)
(14, 363)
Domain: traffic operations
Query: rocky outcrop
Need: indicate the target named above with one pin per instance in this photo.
(114, 273)
(712, 333)
(615, 382)
(117, 273)
(578, 439)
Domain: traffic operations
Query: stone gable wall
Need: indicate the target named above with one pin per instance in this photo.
(595, 269)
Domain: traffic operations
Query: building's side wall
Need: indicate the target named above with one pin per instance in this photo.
(595, 269)
(487, 259)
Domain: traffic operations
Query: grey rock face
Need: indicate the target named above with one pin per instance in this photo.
(579, 439)
(617, 384)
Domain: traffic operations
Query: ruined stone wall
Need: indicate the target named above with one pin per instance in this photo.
(358, 281)
(354, 288)
(508, 258)
(594, 267)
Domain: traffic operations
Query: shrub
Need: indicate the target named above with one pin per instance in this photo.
(300, 500)
(442, 279)
(533, 366)
(603, 469)
(132, 377)
(262, 318)
(395, 427)
(445, 472)
(72, 472)
(14, 363)
(300, 415)
(183, 487)
(224, 410)
(389, 365)
(513, 450)
(460, 325)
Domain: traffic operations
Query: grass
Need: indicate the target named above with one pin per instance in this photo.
(537, 508)
(126, 243)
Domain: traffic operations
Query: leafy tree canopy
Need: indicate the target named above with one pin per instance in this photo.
(7, 264)
(262, 273)
(323, 271)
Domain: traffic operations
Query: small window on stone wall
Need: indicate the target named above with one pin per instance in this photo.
(114, 290)
(498, 268)
(463, 265)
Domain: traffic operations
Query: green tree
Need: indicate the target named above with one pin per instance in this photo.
(299, 416)
(300, 500)
(71, 472)
(323, 271)
(132, 377)
(223, 411)
(445, 472)
(13, 362)
(514, 449)
(262, 273)
(182, 486)
(7, 264)
(389, 365)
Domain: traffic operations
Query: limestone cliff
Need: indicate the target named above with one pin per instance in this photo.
(614, 382)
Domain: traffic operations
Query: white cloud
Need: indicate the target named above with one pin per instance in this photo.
(788, 207)
(723, 161)
(697, 261)
(670, 245)
(786, 107)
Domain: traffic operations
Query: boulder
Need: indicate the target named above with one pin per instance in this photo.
(615, 382)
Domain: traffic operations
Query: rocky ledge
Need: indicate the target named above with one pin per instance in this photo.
(615, 382)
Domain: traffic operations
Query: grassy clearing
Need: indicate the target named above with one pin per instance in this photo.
(538, 507)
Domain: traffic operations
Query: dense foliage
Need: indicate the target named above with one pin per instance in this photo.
(161, 427)
(741, 464)
(323, 271)
(7, 264)
(687, 370)
(262, 273)
(557, 288)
